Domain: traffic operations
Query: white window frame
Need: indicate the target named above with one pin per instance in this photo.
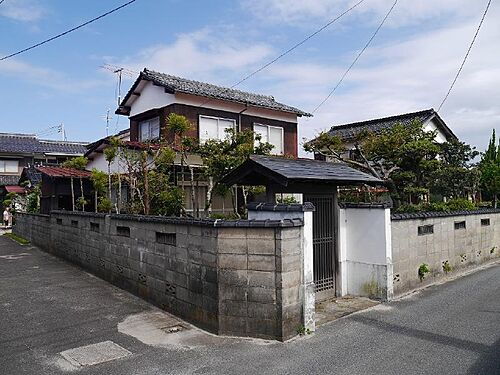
(150, 136)
(214, 118)
(3, 168)
(273, 151)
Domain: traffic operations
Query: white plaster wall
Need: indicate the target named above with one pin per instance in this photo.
(151, 97)
(365, 251)
(99, 162)
(155, 97)
(431, 126)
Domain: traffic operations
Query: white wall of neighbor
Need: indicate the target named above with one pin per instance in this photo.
(365, 259)
(432, 126)
(155, 97)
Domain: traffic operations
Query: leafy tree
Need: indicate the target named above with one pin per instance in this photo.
(490, 170)
(99, 182)
(222, 156)
(409, 159)
(80, 163)
(455, 176)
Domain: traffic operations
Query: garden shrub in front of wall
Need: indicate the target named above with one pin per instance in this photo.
(459, 204)
(423, 270)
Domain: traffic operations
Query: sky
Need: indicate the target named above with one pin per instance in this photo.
(408, 67)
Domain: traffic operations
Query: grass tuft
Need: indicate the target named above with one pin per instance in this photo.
(18, 239)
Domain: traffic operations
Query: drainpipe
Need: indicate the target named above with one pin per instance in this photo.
(239, 116)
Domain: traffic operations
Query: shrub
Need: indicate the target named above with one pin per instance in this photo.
(423, 270)
(460, 204)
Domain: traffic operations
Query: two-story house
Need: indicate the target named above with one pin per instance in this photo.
(18, 151)
(429, 118)
(211, 110)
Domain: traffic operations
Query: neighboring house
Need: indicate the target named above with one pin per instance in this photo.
(18, 151)
(59, 186)
(211, 109)
(429, 118)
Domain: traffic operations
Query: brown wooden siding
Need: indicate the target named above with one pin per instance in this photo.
(192, 113)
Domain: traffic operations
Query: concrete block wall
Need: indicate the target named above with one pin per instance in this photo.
(239, 278)
(259, 282)
(474, 244)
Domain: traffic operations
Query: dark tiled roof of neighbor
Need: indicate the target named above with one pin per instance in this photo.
(287, 170)
(351, 130)
(177, 84)
(9, 180)
(29, 144)
(64, 172)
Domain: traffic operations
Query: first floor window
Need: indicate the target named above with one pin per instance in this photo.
(9, 166)
(215, 127)
(149, 129)
(272, 135)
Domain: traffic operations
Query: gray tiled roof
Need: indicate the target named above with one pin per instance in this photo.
(309, 169)
(351, 130)
(9, 180)
(29, 144)
(177, 84)
(258, 169)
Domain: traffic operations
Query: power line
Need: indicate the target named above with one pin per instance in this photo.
(295, 46)
(68, 31)
(1, 1)
(466, 55)
(356, 59)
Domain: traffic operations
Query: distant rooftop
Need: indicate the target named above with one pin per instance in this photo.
(64, 172)
(351, 130)
(173, 84)
(30, 144)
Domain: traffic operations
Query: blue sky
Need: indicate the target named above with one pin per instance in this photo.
(408, 67)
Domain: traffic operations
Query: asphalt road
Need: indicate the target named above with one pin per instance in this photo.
(48, 306)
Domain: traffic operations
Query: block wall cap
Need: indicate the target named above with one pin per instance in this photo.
(281, 207)
(427, 215)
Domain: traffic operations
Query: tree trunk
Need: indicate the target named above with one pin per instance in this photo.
(146, 187)
(119, 206)
(109, 181)
(208, 203)
(193, 194)
(72, 194)
(83, 196)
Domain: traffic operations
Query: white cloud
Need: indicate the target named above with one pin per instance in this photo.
(407, 74)
(48, 78)
(22, 10)
(200, 55)
(406, 12)
(404, 76)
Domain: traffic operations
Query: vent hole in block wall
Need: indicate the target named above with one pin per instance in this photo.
(94, 227)
(123, 231)
(425, 229)
(459, 225)
(74, 223)
(59, 221)
(166, 238)
(485, 222)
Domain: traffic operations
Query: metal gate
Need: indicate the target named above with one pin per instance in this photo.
(323, 242)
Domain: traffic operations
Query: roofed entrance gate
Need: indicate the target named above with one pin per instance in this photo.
(317, 181)
(324, 249)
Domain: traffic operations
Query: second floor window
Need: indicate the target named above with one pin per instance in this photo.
(215, 127)
(272, 135)
(149, 130)
(9, 166)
